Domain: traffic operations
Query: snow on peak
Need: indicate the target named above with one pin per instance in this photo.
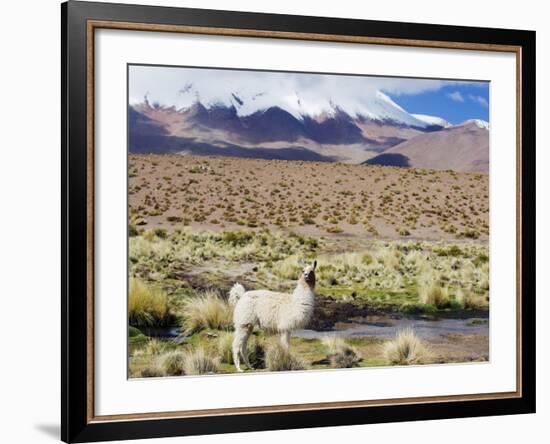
(432, 120)
(299, 102)
(478, 122)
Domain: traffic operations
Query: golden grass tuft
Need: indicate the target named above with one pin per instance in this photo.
(224, 347)
(146, 306)
(255, 349)
(290, 267)
(470, 300)
(341, 354)
(172, 363)
(208, 310)
(278, 358)
(430, 293)
(154, 347)
(153, 370)
(200, 362)
(406, 349)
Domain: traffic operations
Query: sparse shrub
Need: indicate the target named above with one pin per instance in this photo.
(482, 258)
(340, 354)
(161, 233)
(206, 311)
(238, 238)
(470, 234)
(172, 363)
(406, 349)
(311, 243)
(278, 358)
(403, 232)
(199, 362)
(132, 230)
(453, 251)
(147, 306)
(367, 259)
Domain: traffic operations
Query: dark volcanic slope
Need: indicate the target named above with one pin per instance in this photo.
(274, 133)
(270, 133)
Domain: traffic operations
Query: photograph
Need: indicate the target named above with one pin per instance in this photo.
(302, 221)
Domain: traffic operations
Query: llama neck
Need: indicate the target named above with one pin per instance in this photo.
(303, 293)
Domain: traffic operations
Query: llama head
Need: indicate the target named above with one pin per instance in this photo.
(309, 273)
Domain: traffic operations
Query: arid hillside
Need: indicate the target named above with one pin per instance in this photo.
(313, 198)
(460, 148)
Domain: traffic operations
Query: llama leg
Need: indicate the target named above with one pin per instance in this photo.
(285, 339)
(240, 337)
(244, 351)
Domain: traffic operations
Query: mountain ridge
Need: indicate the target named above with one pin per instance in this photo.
(231, 126)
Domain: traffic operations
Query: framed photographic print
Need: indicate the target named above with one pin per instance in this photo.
(276, 221)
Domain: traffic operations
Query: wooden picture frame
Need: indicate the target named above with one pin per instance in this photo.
(79, 22)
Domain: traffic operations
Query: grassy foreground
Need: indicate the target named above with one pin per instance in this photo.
(182, 278)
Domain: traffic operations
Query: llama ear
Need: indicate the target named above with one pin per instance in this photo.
(314, 264)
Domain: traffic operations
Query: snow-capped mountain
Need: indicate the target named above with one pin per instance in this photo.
(293, 125)
(432, 120)
(477, 122)
(373, 105)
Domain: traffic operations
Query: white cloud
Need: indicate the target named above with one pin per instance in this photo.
(479, 99)
(456, 96)
(296, 92)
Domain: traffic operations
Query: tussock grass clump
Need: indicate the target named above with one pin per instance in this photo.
(388, 256)
(255, 349)
(471, 300)
(278, 358)
(208, 310)
(340, 354)
(223, 346)
(406, 349)
(200, 362)
(153, 370)
(290, 267)
(431, 293)
(188, 246)
(147, 306)
(172, 363)
(154, 347)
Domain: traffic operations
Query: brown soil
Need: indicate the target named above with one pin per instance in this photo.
(313, 198)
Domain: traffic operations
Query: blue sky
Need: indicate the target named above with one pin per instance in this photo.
(454, 103)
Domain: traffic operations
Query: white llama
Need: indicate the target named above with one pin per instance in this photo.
(272, 311)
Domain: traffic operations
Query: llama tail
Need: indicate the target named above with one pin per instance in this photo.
(236, 292)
